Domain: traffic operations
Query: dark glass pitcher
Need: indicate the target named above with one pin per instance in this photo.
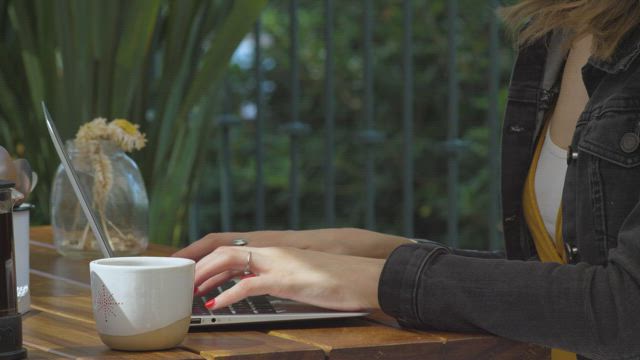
(7, 265)
(10, 319)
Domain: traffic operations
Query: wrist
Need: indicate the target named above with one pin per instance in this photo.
(390, 243)
(372, 301)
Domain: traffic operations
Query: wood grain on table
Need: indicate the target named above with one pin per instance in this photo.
(60, 325)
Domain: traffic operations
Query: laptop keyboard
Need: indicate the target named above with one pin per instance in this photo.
(249, 306)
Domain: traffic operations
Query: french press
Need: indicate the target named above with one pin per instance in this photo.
(10, 319)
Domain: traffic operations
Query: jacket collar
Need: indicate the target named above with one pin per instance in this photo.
(626, 53)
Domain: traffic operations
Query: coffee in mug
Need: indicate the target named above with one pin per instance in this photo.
(142, 303)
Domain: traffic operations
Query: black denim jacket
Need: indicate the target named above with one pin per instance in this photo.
(591, 306)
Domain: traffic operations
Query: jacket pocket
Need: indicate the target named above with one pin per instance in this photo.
(607, 177)
(614, 137)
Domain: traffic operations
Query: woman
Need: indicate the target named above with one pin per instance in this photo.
(571, 191)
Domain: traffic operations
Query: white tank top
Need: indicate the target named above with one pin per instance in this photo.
(549, 181)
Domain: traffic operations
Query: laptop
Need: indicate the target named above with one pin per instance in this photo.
(255, 309)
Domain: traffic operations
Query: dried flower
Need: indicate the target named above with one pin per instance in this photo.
(126, 136)
(97, 129)
(123, 133)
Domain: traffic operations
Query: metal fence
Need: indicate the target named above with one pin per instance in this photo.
(368, 135)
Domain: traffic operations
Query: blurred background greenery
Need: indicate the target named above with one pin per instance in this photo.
(174, 67)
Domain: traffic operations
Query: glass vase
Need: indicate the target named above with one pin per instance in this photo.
(117, 194)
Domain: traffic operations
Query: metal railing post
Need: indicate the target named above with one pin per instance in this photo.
(329, 120)
(369, 136)
(295, 128)
(453, 141)
(407, 117)
(226, 121)
(493, 123)
(259, 141)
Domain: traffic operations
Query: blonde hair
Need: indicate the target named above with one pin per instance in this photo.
(607, 20)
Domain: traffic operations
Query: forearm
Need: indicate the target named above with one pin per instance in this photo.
(352, 241)
(591, 310)
(363, 243)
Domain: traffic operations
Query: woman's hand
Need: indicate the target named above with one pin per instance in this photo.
(348, 241)
(327, 280)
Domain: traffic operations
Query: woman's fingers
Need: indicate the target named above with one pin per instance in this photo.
(251, 286)
(225, 263)
(207, 244)
(225, 258)
(211, 242)
(214, 282)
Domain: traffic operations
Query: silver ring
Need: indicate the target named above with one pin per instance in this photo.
(247, 266)
(239, 242)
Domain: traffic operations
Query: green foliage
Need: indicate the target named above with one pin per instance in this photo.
(430, 111)
(155, 62)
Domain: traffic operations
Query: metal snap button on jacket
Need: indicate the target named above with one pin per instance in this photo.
(571, 155)
(572, 252)
(629, 142)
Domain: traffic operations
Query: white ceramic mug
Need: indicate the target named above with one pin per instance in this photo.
(142, 303)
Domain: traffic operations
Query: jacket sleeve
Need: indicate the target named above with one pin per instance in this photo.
(462, 252)
(591, 310)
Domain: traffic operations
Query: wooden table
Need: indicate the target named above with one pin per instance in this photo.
(60, 325)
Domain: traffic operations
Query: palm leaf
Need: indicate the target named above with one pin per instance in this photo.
(188, 139)
(91, 58)
(137, 30)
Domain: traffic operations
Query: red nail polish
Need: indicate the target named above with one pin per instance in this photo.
(195, 290)
(210, 304)
(247, 276)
